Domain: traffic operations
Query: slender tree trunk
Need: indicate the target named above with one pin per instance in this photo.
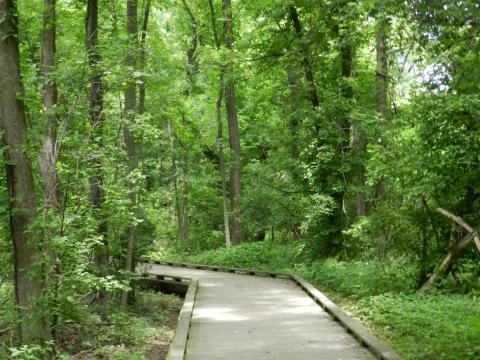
(50, 144)
(191, 72)
(233, 132)
(221, 152)
(49, 153)
(221, 161)
(184, 229)
(381, 74)
(28, 280)
(292, 75)
(130, 144)
(382, 62)
(96, 121)
(173, 150)
(352, 128)
(293, 14)
(346, 91)
(141, 100)
(381, 78)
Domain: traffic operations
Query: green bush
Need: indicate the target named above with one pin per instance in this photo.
(359, 279)
(258, 255)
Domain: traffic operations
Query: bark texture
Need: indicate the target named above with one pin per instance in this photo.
(307, 64)
(143, 38)
(218, 113)
(50, 147)
(96, 121)
(34, 327)
(233, 132)
(130, 144)
(382, 64)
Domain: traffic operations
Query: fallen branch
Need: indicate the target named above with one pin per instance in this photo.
(463, 224)
(455, 250)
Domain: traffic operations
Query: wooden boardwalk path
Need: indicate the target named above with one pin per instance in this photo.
(241, 317)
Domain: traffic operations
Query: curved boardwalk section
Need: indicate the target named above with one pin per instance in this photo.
(241, 317)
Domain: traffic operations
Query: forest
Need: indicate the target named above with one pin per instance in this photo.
(339, 139)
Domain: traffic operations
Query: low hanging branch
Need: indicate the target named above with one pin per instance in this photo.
(455, 250)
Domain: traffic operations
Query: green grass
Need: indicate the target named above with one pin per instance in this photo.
(382, 295)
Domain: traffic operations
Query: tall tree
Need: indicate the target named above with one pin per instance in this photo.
(192, 69)
(382, 24)
(218, 113)
(174, 177)
(96, 122)
(307, 64)
(233, 132)
(130, 143)
(50, 148)
(27, 253)
(351, 125)
(143, 38)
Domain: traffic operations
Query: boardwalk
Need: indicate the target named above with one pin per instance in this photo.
(240, 317)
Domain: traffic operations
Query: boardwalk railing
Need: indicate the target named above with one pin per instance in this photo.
(352, 326)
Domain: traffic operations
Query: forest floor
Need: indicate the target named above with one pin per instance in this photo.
(144, 332)
(441, 324)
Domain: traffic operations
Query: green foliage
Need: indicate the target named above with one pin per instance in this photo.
(432, 326)
(302, 166)
(260, 255)
(359, 279)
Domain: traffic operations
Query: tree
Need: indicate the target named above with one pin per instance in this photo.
(233, 132)
(50, 148)
(218, 114)
(307, 64)
(27, 246)
(96, 122)
(130, 143)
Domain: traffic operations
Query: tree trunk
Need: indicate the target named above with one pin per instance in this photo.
(28, 280)
(381, 81)
(221, 161)
(171, 138)
(96, 121)
(130, 144)
(352, 128)
(233, 132)
(293, 14)
(221, 153)
(184, 229)
(382, 62)
(381, 74)
(141, 101)
(293, 121)
(49, 153)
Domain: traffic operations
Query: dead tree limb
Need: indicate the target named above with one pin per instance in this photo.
(453, 251)
(463, 224)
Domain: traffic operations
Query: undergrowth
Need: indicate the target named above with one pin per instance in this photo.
(144, 332)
